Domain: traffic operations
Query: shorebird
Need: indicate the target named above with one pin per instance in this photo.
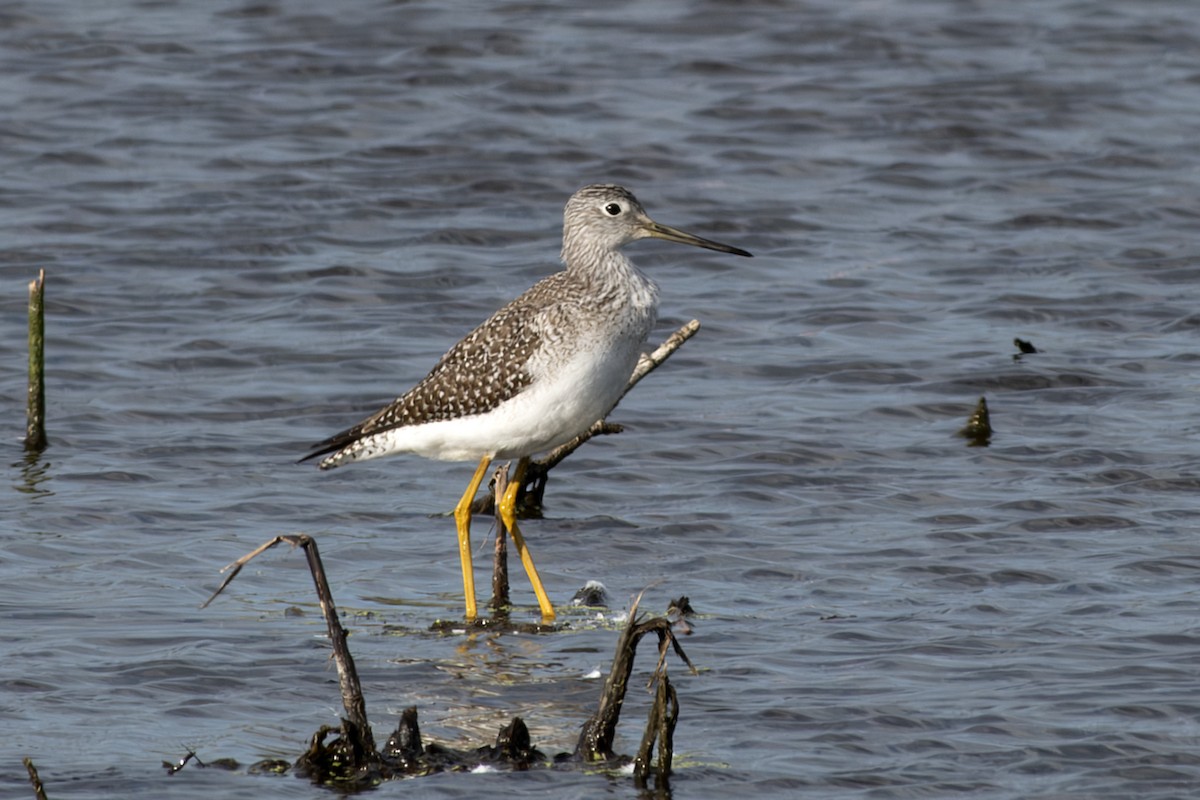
(537, 373)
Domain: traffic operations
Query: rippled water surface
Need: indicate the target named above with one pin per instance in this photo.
(260, 222)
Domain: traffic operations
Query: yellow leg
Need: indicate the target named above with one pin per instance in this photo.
(462, 519)
(508, 514)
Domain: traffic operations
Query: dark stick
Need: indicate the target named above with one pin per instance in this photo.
(596, 738)
(39, 791)
(405, 746)
(666, 736)
(500, 597)
(352, 695)
(35, 409)
(359, 729)
(183, 762)
(661, 726)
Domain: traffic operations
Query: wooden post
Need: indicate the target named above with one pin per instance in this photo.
(35, 412)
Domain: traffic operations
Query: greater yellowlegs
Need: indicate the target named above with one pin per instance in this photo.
(537, 373)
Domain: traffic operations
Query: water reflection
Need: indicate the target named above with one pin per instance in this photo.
(35, 474)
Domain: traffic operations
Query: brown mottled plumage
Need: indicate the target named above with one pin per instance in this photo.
(480, 372)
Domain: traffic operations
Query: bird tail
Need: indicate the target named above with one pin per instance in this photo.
(334, 444)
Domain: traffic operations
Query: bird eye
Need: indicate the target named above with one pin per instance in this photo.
(613, 209)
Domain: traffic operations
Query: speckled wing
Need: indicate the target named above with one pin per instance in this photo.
(489, 366)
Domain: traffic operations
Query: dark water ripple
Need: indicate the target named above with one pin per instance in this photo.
(261, 220)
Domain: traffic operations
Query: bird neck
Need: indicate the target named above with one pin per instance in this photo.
(611, 280)
(601, 266)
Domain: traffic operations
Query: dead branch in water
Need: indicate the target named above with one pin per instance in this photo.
(356, 728)
(39, 791)
(596, 738)
(529, 498)
(350, 759)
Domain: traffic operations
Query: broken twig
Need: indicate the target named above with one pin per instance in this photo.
(39, 791)
(355, 729)
(596, 738)
(529, 501)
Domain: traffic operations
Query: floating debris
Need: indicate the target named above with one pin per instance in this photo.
(1025, 347)
(173, 768)
(594, 594)
(217, 763)
(978, 430)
